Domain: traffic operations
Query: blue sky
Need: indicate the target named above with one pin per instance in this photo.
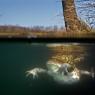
(31, 12)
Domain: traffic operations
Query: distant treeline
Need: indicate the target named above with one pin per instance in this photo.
(10, 28)
(40, 31)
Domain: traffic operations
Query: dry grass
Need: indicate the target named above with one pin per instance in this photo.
(26, 32)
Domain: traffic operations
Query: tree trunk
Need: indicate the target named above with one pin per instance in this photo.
(72, 23)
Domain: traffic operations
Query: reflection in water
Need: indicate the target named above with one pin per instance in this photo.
(68, 53)
(62, 66)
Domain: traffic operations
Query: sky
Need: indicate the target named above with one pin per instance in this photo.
(31, 12)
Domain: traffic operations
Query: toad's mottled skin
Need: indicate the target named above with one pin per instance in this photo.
(59, 72)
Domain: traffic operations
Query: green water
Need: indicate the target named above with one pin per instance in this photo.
(17, 58)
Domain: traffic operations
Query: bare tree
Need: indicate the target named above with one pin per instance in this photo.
(88, 9)
(72, 23)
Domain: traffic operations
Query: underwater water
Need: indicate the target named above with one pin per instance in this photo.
(17, 58)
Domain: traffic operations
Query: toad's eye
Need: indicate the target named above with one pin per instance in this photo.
(70, 69)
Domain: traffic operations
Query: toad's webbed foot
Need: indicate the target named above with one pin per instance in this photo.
(34, 72)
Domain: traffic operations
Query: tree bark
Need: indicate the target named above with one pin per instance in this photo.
(72, 23)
